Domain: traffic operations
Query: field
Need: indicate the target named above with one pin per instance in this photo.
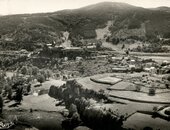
(110, 89)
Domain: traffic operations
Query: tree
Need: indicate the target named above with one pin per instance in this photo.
(40, 78)
(98, 45)
(35, 70)
(168, 77)
(115, 41)
(9, 96)
(152, 91)
(42, 72)
(48, 74)
(123, 46)
(82, 70)
(29, 71)
(28, 87)
(29, 79)
(24, 70)
(19, 95)
(1, 104)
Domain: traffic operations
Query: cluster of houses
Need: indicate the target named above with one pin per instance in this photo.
(72, 52)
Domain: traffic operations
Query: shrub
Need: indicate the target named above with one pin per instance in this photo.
(137, 88)
(98, 45)
(24, 70)
(152, 91)
(48, 74)
(40, 78)
(167, 111)
(82, 70)
(115, 41)
(155, 109)
(168, 77)
(35, 70)
(101, 91)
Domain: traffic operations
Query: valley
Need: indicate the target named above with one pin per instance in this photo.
(101, 67)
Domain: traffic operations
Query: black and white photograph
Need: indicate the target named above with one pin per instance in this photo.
(84, 64)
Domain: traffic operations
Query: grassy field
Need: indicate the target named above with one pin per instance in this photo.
(139, 121)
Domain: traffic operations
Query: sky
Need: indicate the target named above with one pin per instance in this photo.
(36, 6)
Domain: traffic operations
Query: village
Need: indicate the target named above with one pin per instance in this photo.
(120, 86)
(104, 66)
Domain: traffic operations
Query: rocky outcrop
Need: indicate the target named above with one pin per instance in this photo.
(72, 90)
(85, 103)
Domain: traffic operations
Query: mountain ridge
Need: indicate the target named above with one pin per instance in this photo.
(128, 22)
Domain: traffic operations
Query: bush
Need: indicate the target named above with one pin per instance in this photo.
(48, 74)
(167, 111)
(98, 45)
(155, 109)
(24, 70)
(40, 78)
(101, 91)
(115, 41)
(168, 77)
(137, 88)
(35, 70)
(152, 91)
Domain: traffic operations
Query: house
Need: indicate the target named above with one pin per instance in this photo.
(78, 58)
(49, 45)
(24, 51)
